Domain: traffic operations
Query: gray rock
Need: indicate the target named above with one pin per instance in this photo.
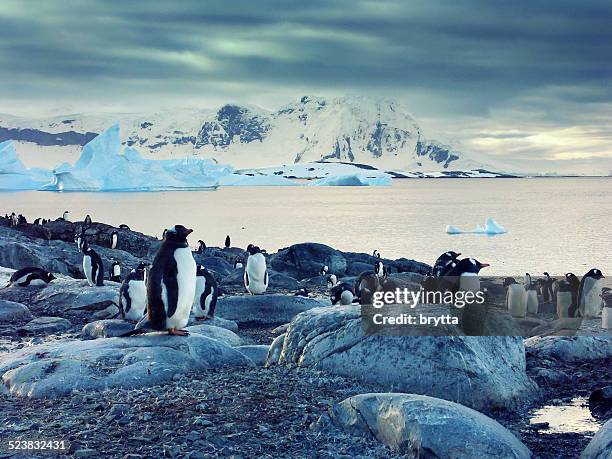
(221, 334)
(45, 325)
(570, 348)
(305, 260)
(108, 313)
(108, 328)
(256, 352)
(263, 309)
(600, 447)
(216, 264)
(281, 328)
(354, 269)
(275, 350)
(600, 402)
(421, 426)
(58, 369)
(11, 312)
(67, 294)
(276, 280)
(484, 373)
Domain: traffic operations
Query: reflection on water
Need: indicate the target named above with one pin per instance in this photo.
(572, 418)
(554, 224)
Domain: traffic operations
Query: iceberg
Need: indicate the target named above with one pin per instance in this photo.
(353, 180)
(490, 228)
(103, 167)
(13, 173)
(256, 180)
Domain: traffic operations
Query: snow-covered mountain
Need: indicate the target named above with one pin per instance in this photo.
(356, 130)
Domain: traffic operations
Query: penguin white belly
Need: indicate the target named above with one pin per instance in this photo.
(38, 282)
(208, 301)
(21, 280)
(116, 270)
(516, 300)
(606, 318)
(186, 282)
(469, 282)
(200, 286)
(591, 302)
(138, 294)
(114, 242)
(532, 302)
(564, 301)
(257, 274)
(87, 268)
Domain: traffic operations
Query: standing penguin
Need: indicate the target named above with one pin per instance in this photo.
(256, 272)
(37, 221)
(565, 299)
(114, 239)
(574, 284)
(227, 242)
(547, 288)
(516, 297)
(133, 294)
(444, 263)
(78, 239)
(171, 285)
(92, 265)
(87, 220)
(64, 216)
(589, 293)
(201, 246)
(206, 294)
(238, 263)
(115, 272)
(30, 276)
(376, 253)
(379, 269)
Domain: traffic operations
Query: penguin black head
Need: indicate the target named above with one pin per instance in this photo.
(48, 277)
(332, 280)
(253, 249)
(595, 274)
(178, 233)
(452, 255)
(470, 265)
(201, 270)
(509, 281)
(141, 266)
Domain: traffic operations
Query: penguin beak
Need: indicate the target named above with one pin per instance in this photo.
(188, 231)
(484, 265)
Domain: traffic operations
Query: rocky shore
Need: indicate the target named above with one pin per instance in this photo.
(325, 389)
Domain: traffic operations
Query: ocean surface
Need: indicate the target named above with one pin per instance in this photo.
(554, 224)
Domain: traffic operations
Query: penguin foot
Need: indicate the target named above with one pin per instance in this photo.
(201, 318)
(175, 332)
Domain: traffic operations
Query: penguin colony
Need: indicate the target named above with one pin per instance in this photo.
(175, 286)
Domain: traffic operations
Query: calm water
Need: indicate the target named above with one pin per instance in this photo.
(554, 224)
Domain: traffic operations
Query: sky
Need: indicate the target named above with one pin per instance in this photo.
(527, 79)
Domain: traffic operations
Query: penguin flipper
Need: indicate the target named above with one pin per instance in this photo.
(171, 283)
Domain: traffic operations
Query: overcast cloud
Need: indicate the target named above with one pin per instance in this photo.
(528, 78)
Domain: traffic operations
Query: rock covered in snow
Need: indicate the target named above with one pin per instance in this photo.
(421, 426)
(484, 373)
(12, 312)
(53, 370)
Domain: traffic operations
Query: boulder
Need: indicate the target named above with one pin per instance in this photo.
(263, 309)
(305, 260)
(5, 275)
(570, 349)
(58, 369)
(45, 325)
(216, 322)
(600, 403)
(66, 294)
(234, 279)
(484, 373)
(221, 334)
(12, 312)
(216, 264)
(107, 328)
(276, 280)
(256, 352)
(600, 447)
(355, 269)
(421, 426)
(109, 312)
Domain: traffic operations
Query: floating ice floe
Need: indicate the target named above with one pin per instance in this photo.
(353, 180)
(491, 227)
(14, 175)
(103, 167)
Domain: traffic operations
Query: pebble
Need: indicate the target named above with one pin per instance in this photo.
(85, 453)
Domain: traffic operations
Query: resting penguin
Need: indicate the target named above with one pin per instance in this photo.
(342, 293)
(171, 286)
(87, 220)
(256, 272)
(30, 276)
(206, 294)
(133, 294)
(201, 246)
(227, 242)
(115, 272)
(574, 283)
(114, 239)
(589, 293)
(464, 276)
(444, 263)
(92, 265)
(516, 297)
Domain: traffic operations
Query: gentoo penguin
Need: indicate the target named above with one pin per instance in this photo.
(206, 294)
(464, 276)
(364, 287)
(64, 216)
(115, 272)
(133, 294)
(589, 293)
(37, 221)
(275, 350)
(379, 269)
(332, 280)
(547, 288)
(444, 263)
(201, 246)
(516, 297)
(114, 239)
(565, 299)
(14, 220)
(342, 293)
(92, 265)
(78, 239)
(30, 276)
(531, 289)
(123, 226)
(574, 283)
(256, 272)
(238, 263)
(87, 220)
(227, 242)
(376, 253)
(324, 270)
(171, 285)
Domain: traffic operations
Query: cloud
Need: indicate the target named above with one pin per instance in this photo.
(512, 67)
